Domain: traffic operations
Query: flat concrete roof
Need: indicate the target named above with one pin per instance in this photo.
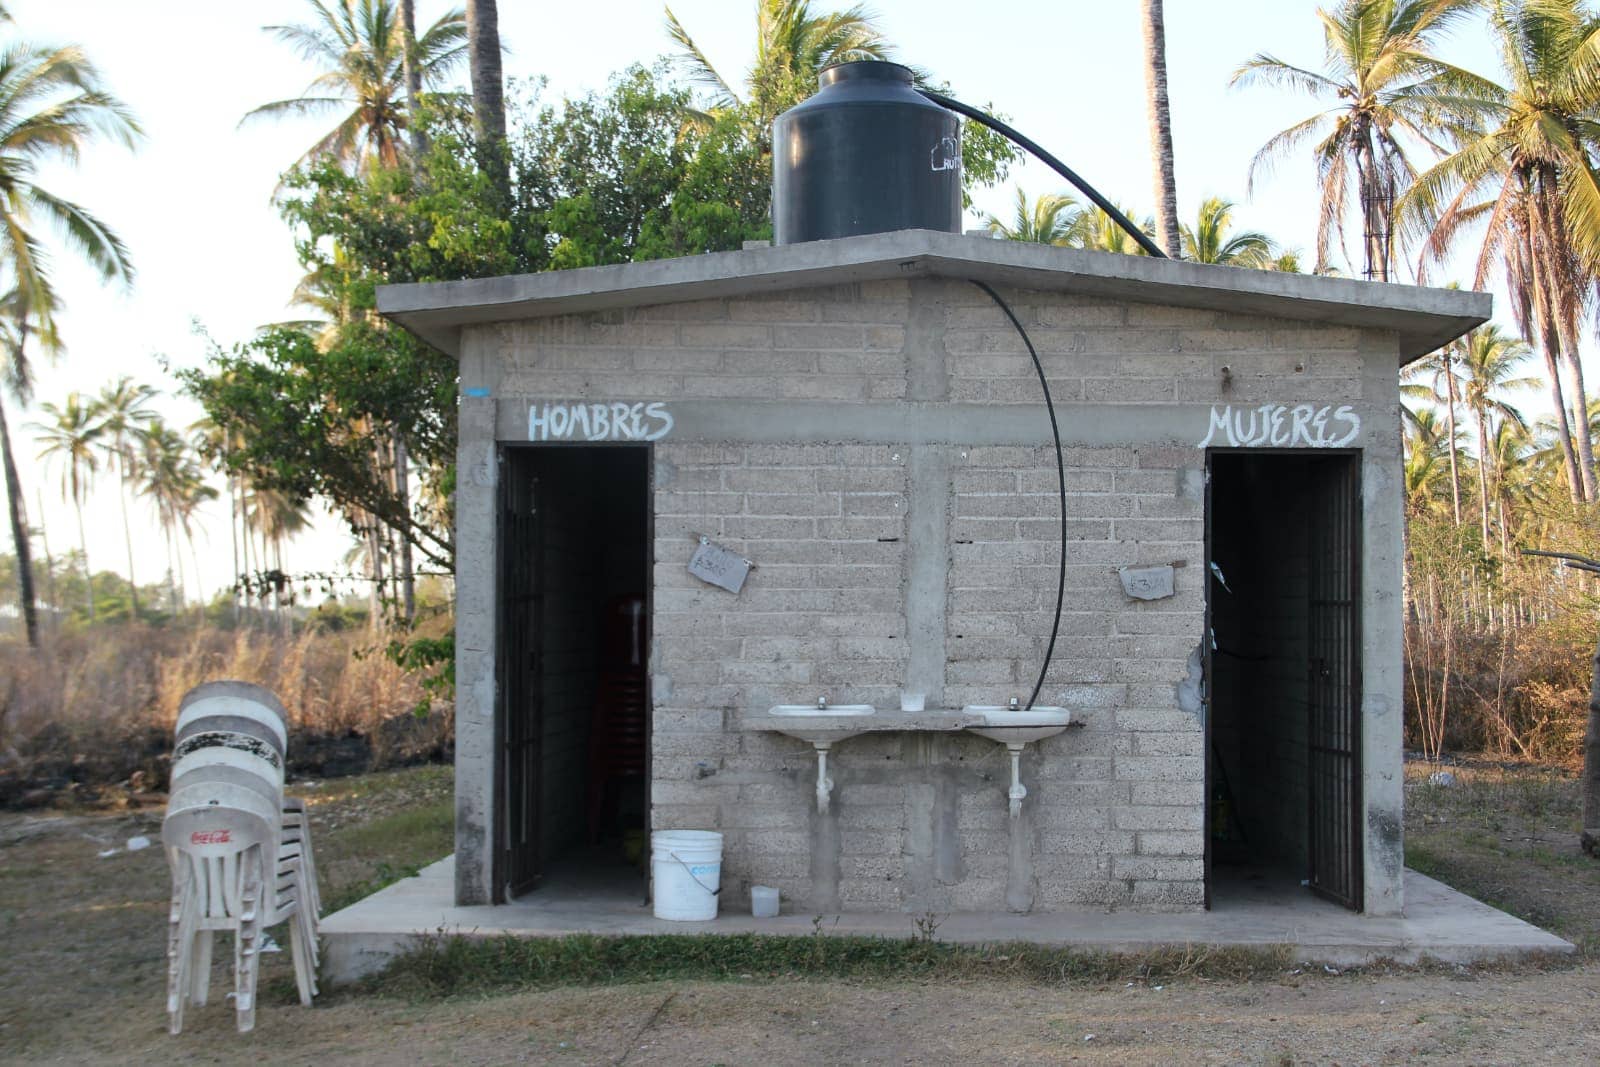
(1424, 319)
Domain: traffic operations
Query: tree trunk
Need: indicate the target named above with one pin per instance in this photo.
(88, 571)
(1580, 431)
(1450, 428)
(1483, 480)
(233, 535)
(488, 94)
(19, 535)
(413, 75)
(1160, 119)
(51, 599)
(1591, 766)
(127, 535)
(402, 488)
(1563, 427)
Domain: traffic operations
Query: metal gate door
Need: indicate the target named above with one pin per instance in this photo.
(1334, 640)
(521, 712)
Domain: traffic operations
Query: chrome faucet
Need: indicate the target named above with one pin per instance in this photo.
(1013, 704)
(822, 703)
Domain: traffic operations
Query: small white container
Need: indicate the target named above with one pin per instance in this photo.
(913, 701)
(763, 901)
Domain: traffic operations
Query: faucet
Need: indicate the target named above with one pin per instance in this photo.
(1013, 704)
(822, 703)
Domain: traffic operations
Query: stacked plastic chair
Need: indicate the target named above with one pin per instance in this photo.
(240, 850)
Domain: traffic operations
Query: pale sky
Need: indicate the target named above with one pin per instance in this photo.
(193, 202)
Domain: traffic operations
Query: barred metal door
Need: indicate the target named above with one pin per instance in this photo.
(521, 712)
(1334, 769)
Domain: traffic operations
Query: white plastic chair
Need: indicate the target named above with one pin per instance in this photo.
(240, 851)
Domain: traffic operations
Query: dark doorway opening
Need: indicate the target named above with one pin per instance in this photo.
(573, 667)
(1283, 768)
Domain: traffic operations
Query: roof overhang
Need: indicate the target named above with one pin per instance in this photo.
(1423, 319)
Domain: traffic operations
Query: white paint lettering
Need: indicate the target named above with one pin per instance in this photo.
(1282, 426)
(660, 413)
(1220, 420)
(619, 421)
(1346, 414)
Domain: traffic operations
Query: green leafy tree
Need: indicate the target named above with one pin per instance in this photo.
(1384, 87)
(363, 49)
(1529, 176)
(53, 103)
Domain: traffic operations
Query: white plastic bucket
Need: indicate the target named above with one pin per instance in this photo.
(686, 866)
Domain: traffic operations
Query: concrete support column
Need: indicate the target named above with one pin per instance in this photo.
(1382, 632)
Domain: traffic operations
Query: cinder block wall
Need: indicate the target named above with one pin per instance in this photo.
(880, 451)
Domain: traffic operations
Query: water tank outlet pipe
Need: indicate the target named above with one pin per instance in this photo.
(1027, 144)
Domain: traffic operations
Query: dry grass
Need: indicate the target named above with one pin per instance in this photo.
(98, 706)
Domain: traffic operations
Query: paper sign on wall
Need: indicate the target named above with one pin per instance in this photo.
(721, 567)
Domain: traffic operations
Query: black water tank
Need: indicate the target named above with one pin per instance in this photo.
(867, 154)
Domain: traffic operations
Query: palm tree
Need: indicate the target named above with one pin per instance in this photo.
(1210, 242)
(1489, 361)
(1530, 174)
(173, 480)
(1424, 447)
(1159, 115)
(361, 48)
(1384, 85)
(1050, 220)
(1096, 231)
(794, 42)
(123, 415)
(72, 436)
(52, 104)
(276, 517)
(1435, 369)
(16, 377)
(488, 91)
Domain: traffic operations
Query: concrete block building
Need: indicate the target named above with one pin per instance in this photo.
(863, 425)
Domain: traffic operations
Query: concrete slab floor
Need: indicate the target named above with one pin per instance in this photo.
(1439, 923)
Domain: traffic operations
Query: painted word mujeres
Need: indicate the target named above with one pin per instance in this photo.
(617, 421)
(1283, 426)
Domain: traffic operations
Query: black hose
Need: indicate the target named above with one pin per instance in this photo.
(1051, 161)
(1061, 475)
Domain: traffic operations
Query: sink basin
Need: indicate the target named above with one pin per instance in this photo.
(821, 726)
(1015, 728)
(1018, 726)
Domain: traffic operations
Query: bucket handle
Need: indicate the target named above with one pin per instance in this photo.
(695, 878)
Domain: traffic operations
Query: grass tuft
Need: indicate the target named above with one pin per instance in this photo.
(456, 964)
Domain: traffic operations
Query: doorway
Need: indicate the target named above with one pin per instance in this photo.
(1283, 729)
(573, 669)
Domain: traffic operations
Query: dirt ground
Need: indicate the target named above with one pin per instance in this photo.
(81, 976)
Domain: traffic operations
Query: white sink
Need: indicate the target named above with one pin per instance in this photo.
(821, 726)
(1015, 728)
(818, 726)
(1018, 726)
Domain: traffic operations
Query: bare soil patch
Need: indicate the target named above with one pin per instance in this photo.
(81, 979)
